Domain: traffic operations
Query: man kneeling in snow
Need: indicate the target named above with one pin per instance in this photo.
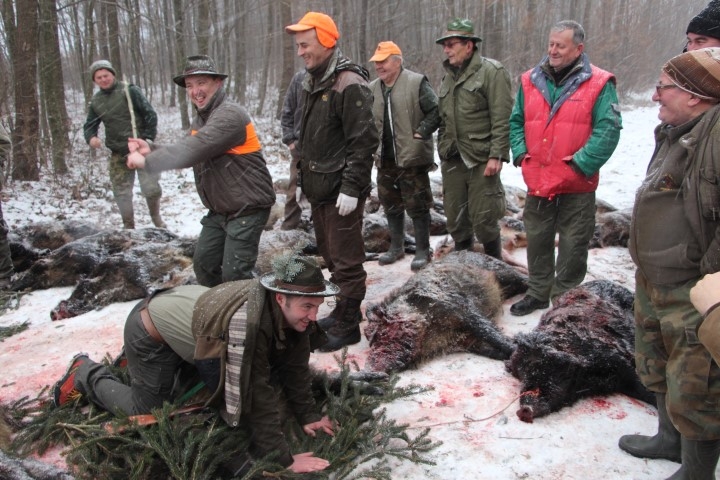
(246, 339)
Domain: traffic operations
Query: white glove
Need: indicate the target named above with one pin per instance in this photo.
(346, 204)
(301, 199)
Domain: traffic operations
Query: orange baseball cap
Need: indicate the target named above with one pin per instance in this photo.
(384, 50)
(324, 26)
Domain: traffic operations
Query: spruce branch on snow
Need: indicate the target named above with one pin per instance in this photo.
(195, 446)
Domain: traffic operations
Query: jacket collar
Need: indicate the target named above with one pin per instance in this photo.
(216, 100)
(468, 67)
(115, 84)
(695, 128)
(335, 64)
(579, 64)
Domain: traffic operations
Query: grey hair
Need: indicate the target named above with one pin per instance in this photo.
(578, 30)
(399, 57)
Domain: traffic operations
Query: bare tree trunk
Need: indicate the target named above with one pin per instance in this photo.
(180, 59)
(263, 80)
(288, 54)
(172, 48)
(202, 34)
(89, 51)
(240, 51)
(51, 85)
(27, 119)
(113, 30)
(102, 30)
(136, 52)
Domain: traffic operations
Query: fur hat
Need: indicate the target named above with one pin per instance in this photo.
(198, 65)
(101, 65)
(298, 275)
(707, 22)
(324, 26)
(697, 72)
(460, 28)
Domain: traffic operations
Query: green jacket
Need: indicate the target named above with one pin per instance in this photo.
(675, 229)
(475, 105)
(110, 107)
(274, 363)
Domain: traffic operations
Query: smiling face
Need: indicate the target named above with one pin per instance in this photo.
(104, 78)
(310, 49)
(299, 310)
(201, 88)
(676, 105)
(389, 69)
(562, 50)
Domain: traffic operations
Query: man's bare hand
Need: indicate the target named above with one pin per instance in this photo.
(136, 160)
(706, 293)
(325, 424)
(305, 463)
(95, 142)
(493, 167)
(139, 145)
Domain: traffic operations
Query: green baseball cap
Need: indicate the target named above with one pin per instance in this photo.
(460, 28)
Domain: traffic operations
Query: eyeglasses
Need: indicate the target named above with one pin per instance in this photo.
(451, 44)
(662, 86)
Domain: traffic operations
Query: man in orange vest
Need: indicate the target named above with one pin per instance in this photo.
(231, 175)
(564, 126)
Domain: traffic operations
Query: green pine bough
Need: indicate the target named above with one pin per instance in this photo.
(195, 446)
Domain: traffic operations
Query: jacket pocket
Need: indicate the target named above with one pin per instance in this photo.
(709, 194)
(480, 143)
(321, 187)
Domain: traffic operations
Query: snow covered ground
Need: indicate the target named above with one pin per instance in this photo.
(472, 407)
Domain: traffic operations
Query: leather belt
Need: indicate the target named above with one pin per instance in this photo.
(150, 326)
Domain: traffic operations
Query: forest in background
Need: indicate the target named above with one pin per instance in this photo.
(46, 47)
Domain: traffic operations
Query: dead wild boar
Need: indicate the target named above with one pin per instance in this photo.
(33, 241)
(448, 307)
(612, 229)
(110, 266)
(583, 346)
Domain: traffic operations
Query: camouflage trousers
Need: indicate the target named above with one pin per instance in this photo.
(405, 190)
(123, 179)
(670, 359)
(473, 202)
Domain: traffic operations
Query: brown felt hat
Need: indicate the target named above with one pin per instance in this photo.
(198, 65)
(298, 275)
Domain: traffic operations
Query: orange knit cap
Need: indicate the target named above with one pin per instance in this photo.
(324, 26)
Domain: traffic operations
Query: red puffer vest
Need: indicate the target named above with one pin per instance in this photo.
(549, 140)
